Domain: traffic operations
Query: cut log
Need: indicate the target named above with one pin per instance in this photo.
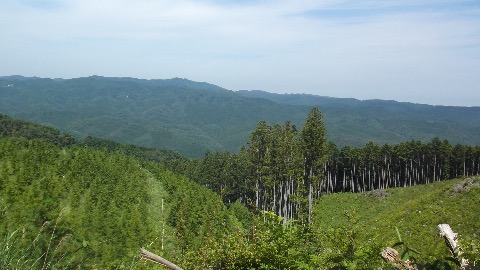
(145, 254)
(390, 255)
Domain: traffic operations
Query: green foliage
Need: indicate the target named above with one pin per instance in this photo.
(341, 247)
(195, 214)
(267, 244)
(313, 138)
(415, 211)
(102, 199)
(285, 172)
(10, 127)
(406, 252)
(169, 158)
(85, 208)
(456, 260)
(19, 251)
(314, 149)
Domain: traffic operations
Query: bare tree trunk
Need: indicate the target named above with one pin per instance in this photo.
(450, 237)
(310, 199)
(257, 194)
(275, 207)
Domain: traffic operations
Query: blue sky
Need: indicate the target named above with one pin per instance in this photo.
(420, 51)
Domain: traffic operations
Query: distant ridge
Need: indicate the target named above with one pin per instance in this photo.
(315, 100)
(299, 99)
(194, 117)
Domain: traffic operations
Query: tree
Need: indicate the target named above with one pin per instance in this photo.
(313, 145)
(257, 151)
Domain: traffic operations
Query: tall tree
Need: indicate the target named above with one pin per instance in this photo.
(289, 169)
(314, 147)
(258, 148)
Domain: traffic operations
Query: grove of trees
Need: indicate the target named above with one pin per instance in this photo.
(284, 171)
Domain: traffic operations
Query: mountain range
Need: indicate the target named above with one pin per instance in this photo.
(195, 117)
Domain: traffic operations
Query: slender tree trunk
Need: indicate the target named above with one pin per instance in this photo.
(274, 206)
(310, 196)
(353, 177)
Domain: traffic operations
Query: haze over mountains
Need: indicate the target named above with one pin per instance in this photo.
(194, 117)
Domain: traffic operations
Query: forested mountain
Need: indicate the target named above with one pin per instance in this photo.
(174, 114)
(192, 117)
(354, 122)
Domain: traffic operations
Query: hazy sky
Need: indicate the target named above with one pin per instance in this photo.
(407, 50)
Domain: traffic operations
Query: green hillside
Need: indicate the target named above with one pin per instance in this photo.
(82, 208)
(350, 230)
(360, 224)
(192, 117)
(10, 127)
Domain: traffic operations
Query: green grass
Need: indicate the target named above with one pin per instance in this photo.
(415, 211)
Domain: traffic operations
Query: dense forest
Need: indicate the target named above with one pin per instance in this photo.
(93, 203)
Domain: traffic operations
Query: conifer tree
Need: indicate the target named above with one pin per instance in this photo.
(313, 145)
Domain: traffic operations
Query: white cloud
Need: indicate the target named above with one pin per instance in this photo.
(408, 50)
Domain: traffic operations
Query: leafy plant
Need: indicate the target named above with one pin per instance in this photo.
(407, 252)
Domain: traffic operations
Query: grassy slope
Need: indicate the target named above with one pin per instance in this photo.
(415, 211)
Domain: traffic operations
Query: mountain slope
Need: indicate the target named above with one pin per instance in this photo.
(355, 122)
(77, 207)
(10, 127)
(164, 114)
(359, 225)
(192, 117)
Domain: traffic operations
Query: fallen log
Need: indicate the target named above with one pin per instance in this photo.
(390, 255)
(450, 237)
(145, 254)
